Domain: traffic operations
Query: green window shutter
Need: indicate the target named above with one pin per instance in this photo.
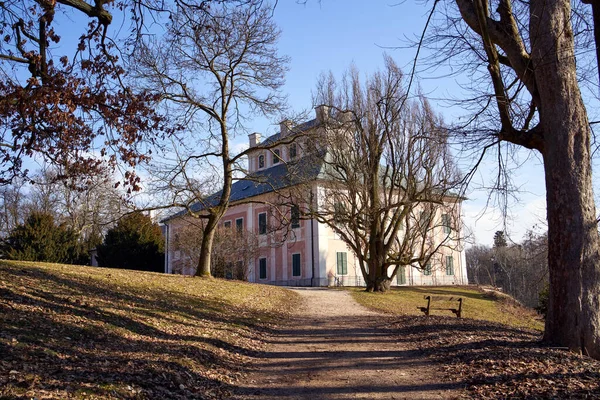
(342, 263)
(262, 268)
(446, 223)
(427, 270)
(401, 276)
(449, 265)
(296, 270)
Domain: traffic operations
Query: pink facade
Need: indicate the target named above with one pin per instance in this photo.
(309, 254)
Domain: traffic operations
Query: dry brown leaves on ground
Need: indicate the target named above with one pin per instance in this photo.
(495, 361)
(72, 332)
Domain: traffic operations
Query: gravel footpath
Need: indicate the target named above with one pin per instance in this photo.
(333, 348)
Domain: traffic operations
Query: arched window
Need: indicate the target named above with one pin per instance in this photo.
(276, 156)
(261, 161)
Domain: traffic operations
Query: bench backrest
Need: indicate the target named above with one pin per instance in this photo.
(442, 298)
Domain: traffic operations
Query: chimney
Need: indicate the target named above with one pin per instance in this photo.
(346, 117)
(322, 112)
(285, 127)
(254, 139)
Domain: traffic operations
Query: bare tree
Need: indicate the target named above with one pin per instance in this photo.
(232, 254)
(13, 206)
(213, 68)
(527, 50)
(390, 177)
(480, 267)
(519, 269)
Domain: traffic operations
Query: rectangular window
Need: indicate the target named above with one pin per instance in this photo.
(276, 156)
(449, 265)
(239, 272)
(296, 271)
(427, 270)
(262, 223)
(262, 268)
(401, 276)
(342, 263)
(239, 224)
(446, 223)
(293, 152)
(339, 212)
(227, 224)
(424, 219)
(295, 217)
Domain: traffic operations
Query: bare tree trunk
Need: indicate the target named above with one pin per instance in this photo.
(379, 284)
(573, 318)
(208, 237)
(377, 279)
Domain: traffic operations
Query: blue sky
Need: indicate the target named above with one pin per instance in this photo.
(325, 35)
(331, 35)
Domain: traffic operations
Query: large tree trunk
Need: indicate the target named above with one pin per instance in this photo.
(381, 284)
(573, 318)
(377, 279)
(208, 237)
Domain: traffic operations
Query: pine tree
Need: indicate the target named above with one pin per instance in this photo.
(39, 238)
(134, 243)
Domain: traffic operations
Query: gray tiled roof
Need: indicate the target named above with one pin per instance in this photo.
(295, 130)
(268, 180)
(284, 175)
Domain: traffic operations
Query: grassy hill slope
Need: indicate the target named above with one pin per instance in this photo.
(479, 305)
(82, 332)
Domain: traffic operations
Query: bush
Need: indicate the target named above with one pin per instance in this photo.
(40, 239)
(134, 243)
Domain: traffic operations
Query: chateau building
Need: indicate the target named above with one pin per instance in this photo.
(303, 252)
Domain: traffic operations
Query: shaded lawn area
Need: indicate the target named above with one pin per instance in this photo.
(83, 332)
(496, 361)
(495, 350)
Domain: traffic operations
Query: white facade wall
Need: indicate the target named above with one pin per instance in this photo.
(316, 243)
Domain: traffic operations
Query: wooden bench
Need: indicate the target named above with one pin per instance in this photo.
(430, 299)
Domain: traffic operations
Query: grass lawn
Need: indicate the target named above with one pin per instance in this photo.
(476, 304)
(82, 332)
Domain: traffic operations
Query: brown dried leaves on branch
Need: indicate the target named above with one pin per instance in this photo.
(77, 112)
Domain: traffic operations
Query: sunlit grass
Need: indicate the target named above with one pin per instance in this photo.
(476, 304)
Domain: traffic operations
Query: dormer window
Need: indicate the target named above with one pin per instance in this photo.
(276, 156)
(261, 161)
(292, 151)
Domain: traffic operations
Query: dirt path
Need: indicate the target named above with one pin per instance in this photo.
(333, 348)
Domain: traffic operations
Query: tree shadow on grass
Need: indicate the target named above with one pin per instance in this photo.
(497, 361)
(65, 335)
(338, 357)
